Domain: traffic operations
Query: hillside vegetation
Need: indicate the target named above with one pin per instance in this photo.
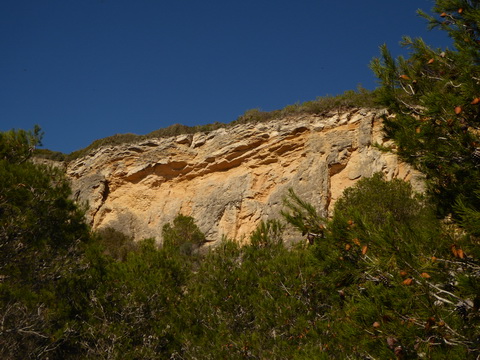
(322, 105)
(392, 275)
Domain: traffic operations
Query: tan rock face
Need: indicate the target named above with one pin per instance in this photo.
(231, 179)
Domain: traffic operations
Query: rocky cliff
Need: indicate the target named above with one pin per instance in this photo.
(230, 179)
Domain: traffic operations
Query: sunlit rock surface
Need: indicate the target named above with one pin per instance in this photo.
(231, 179)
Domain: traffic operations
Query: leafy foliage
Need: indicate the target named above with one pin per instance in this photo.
(398, 272)
(253, 302)
(42, 233)
(184, 234)
(398, 223)
(435, 95)
(115, 243)
(383, 279)
(16, 146)
(131, 308)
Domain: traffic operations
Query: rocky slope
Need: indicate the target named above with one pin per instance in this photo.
(231, 179)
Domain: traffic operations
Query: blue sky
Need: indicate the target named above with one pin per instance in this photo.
(86, 69)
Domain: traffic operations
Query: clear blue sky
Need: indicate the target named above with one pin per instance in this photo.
(86, 69)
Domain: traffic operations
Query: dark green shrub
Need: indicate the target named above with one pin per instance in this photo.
(254, 302)
(132, 309)
(388, 217)
(401, 277)
(115, 243)
(183, 235)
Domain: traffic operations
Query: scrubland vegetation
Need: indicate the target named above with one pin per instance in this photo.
(384, 278)
(348, 100)
(391, 275)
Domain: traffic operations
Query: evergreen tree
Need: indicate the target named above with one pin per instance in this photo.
(41, 236)
(435, 96)
(397, 286)
(17, 146)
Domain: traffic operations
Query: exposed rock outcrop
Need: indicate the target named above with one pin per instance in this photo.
(230, 179)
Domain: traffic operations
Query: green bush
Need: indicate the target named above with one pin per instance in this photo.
(383, 279)
(254, 302)
(388, 218)
(115, 243)
(402, 277)
(183, 235)
(132, 309)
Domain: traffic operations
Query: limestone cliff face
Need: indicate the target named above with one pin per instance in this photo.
(231, 179)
